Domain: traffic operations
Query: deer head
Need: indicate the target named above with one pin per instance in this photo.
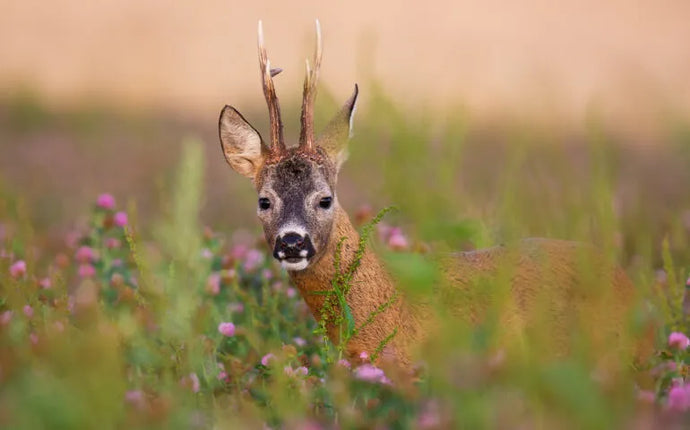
(296, 186)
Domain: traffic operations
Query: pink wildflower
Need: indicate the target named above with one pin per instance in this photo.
(661, 276)
(222, 375)
(253, 260)
(397, 241)
(369, 373)
(45, 283)
(678, 398)
(496, 360)
(290, 292)
(344, 363)
(384, 231)
(5, 317)
(307, 425)
(86, 270)
(238, 252)
(112, 243)
(236, 307)
(72, 238)
(85, 254)
(116, 262)
(678, 341)
(364, 356)
(429, 418)
(28, 311)
(206, 254)
(18, 269)
(300, 371)
(213, 284)
(191, 381)
(195, 382)
(33, 338)
(299, 341)
(136, 398)
(106, 201)
(266, 359)
(661, 369)
(267, 274)
(226, 329)
(646, 396)
(120, 219)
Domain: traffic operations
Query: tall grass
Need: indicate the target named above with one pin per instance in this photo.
(125, 327)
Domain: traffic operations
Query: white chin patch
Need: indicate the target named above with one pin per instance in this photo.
(299, 265)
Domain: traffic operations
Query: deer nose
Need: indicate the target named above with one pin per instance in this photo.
(293, 246)
(292, 241)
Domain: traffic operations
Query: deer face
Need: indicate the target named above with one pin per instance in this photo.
(297, 201)
(296, 206)
(296, 187)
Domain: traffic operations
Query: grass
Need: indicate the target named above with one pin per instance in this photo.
(120, 325)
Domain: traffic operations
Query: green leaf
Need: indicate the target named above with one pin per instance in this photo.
(349, 319)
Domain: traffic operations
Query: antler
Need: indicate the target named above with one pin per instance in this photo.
(267, 74)
(306, 137)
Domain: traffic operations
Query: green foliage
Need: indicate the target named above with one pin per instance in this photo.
(335, 310)
(128, 334)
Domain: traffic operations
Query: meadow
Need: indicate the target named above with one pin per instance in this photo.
(141, 294)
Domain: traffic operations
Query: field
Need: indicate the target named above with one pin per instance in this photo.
(136, 289)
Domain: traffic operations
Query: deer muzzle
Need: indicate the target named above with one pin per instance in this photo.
(293, 251)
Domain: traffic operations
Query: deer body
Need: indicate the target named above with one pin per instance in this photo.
(544, 279)
(303, 222)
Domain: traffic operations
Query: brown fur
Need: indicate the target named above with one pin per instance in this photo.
(566, 283)
(555, 289)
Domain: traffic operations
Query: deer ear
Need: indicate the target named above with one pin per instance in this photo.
(336, 134)
(241, 143)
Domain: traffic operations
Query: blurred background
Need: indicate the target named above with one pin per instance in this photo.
(462, 103)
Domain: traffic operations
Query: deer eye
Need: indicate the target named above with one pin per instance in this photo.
(264, 203)
(325, 202)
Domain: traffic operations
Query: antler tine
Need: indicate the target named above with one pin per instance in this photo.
(306, 139)
(277, 141)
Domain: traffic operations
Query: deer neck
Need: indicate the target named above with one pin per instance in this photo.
(371, 290)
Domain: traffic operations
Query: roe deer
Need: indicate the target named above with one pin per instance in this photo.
(303, 223)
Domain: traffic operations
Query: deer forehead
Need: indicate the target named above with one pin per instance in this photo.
(296, 178)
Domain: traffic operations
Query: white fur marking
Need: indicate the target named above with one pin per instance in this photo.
(281, 254)
(295, 266)
(303, 253)
(292, 228)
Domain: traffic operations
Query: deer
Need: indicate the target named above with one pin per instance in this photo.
(305, 227)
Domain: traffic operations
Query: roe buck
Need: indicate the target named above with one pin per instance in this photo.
(303, 224)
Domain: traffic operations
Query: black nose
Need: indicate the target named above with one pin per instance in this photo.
(293, 245)
(292, 241)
